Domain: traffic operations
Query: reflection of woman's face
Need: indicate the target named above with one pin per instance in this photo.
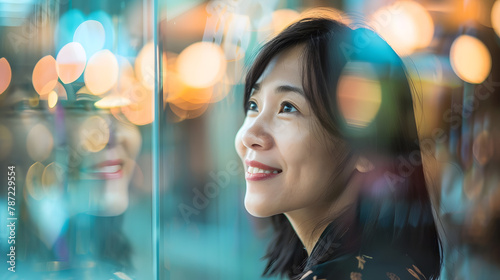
(285, 151)
(103, 151)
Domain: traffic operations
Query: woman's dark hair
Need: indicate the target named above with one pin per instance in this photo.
(394, 208)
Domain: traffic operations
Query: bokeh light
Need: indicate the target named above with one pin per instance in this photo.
(120, 94)
(39, 142)
(359, 94)
(58, 93)
(107, 23)
(5, 74)
(192, 111)
(71, 61)
(172, 86)
(185, 101)
(52, 99)
(101, 73)
(45, 75)
(61, 92)
(126, 75)
(495, 17)
(34, 181)
(405, 25)
(283, 18)
(194, 96)
(112, 101)
(66, 27)
(201, 65)
(53, 177)
(220, 91)
(140, 111)
(94, 134)
(145, 66)
(90, 34)
(470, 59)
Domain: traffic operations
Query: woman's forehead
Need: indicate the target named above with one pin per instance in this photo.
(287, 65)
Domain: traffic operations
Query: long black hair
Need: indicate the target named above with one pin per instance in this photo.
(394, 207)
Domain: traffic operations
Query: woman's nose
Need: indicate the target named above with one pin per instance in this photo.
(113, 137)
(257, 136)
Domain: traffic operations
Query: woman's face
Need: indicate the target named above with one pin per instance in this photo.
(102, 160)
(288, 157)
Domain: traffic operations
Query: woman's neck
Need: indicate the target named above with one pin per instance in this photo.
(309, 223)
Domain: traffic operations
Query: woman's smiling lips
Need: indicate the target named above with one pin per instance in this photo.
(257, 171)
(109, 169)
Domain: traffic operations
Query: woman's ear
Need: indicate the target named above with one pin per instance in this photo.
(364, 165)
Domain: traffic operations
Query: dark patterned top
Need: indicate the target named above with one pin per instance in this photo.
(384, 266)
(382, 262)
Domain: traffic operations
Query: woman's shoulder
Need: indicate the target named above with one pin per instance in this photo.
(385, 265)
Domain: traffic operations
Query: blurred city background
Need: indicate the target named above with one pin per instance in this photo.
(118, 117)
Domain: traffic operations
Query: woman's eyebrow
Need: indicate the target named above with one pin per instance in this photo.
(280, 89)
(255, 89)
(289, 88)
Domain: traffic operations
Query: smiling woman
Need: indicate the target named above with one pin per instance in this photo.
(342, 205)
(281, 131)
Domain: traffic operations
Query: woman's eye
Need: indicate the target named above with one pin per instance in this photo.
(252, 106)
(287, 108)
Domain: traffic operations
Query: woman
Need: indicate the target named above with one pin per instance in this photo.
(346, 194)
(71, 195)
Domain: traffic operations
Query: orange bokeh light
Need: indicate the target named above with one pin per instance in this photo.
(112, 101)
(283, 18)
(187, 114)
(140, 111)
(45, 75)
(94, 134)
(172, 86)
(201, 65)
(58, 90)
(71, 61)
(101, 73)
(495, 17)
(470, 59)
(195, 96)
(359, 94)
(126, 75)
(145, 66)
(405, 25)
(5, 74)
(186, 101)
(52, 99)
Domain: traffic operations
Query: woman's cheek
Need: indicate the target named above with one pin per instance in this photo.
(132, 139)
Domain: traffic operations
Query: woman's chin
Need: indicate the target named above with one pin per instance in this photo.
(258, 207)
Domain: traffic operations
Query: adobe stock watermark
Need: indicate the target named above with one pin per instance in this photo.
(362, 37)
(453, 116)
(201, 197)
